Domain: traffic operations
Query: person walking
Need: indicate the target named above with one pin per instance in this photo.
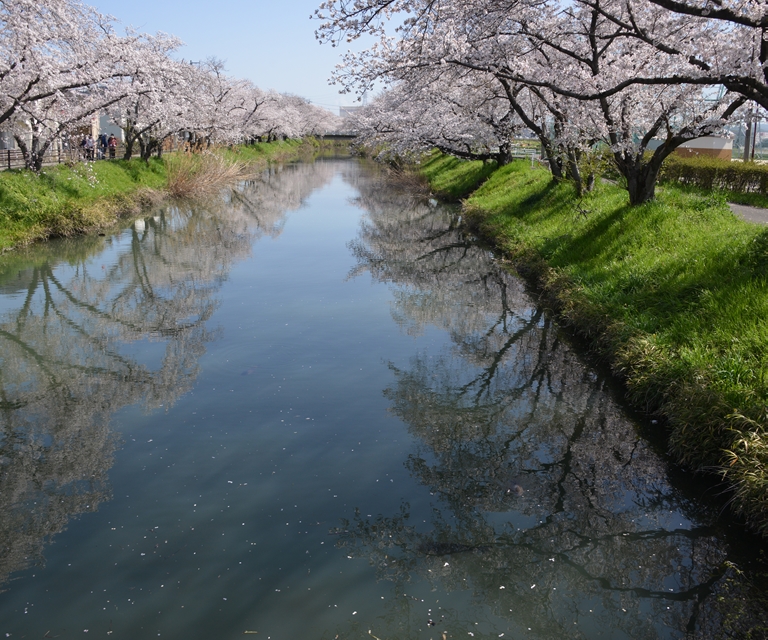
(102, 146)
(112, 144)
(89, 146)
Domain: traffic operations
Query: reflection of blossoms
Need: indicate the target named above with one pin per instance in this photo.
(66, 364)
(541, 483)
(264, 201)
(64, 368)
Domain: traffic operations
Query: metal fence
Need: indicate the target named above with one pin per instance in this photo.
(14, 159)
(525, 152)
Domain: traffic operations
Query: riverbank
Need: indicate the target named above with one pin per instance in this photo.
(67, 200)
(673, 294)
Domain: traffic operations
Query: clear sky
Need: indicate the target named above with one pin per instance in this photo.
(270, 42)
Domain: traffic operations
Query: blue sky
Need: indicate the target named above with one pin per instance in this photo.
(270, 42)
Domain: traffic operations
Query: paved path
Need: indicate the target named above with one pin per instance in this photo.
(751, 214)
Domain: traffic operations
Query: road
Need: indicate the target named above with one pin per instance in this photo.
(750, 214)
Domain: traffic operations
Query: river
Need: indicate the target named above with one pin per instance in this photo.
(316, 408)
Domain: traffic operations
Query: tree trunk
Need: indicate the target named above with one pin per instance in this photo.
(641, 183)
(128, 148)
(24, 151)
(574, 171)
(36, 155)
(147, 147)
(504, 156)
(129, 133)
(33, 159)
(747, 138)
(554, 160)
(37, 160)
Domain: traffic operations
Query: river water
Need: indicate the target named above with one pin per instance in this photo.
(315, 408)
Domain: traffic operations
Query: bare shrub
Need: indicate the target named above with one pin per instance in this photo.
(196, 175)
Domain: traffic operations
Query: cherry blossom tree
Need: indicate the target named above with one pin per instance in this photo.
(289, 116)
(152, 105)
(313, 120)
(63, 64)
(50, 47)
(725, 40)
(249, 107)
(215, 102)
(143, 79)
(625, 84)
(599, 70)
(460, 112)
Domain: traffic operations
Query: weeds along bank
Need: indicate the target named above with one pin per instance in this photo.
(673, 293)
(66, 200)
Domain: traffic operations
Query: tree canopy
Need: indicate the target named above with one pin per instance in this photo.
(62, 63)
(637, 77)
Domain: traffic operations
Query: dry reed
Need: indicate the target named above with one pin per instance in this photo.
(198, 175)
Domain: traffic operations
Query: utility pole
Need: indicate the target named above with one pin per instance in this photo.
(748, 133)
(748, 136)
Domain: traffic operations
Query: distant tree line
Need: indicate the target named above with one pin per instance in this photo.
(62, 63)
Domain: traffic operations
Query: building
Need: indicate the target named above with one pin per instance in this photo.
(709, 146)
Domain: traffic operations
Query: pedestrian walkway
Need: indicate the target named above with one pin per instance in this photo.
(750, 214)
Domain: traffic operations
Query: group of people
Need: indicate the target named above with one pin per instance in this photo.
(98, 149)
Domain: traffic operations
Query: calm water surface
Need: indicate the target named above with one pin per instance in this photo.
(316, 409)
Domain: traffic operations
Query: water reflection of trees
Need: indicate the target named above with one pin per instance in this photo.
(266, 198)
(71, 345)
(547, 505)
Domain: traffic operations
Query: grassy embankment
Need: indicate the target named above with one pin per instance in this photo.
(673, 294)
(68, 200)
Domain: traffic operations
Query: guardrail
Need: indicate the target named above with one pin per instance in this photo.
(525, 152)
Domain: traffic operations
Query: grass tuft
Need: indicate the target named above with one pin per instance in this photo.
(197, 175)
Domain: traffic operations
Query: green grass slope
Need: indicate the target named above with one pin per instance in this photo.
(67, 200)
(673, 293)
(64, 200)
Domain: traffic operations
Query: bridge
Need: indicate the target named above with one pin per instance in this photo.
(340, 135)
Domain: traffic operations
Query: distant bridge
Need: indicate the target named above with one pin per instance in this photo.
(340, 135)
